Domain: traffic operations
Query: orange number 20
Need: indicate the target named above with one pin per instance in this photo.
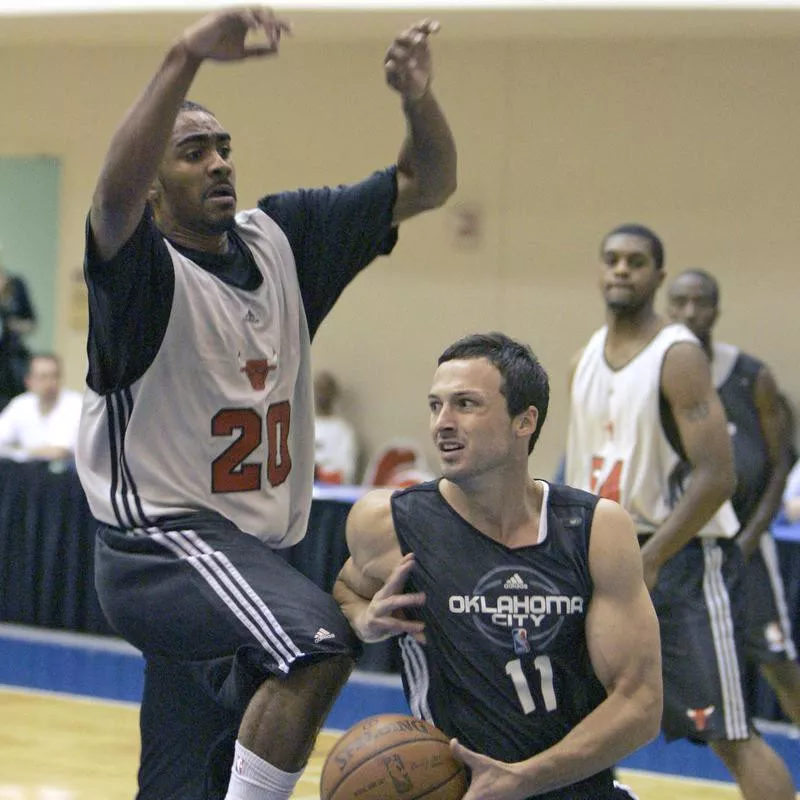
(229, 473)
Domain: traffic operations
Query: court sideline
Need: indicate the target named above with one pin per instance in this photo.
(68, 705)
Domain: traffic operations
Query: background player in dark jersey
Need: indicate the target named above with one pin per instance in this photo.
(531, 638)
(761, 450)
(648, 429)
(196, 448)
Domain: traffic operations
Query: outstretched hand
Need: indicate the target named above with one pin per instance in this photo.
(221, 36)
(490, 779)
(408, 61)
(384, 617)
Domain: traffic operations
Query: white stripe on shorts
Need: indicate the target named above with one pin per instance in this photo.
(627, 789)
(769, 552)
(234, 591)
(719, 613)
(415, 667)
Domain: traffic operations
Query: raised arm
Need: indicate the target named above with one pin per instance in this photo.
(426, 166)
(138, 145)
(771, 419)
(703, 429)
(369, 587)
(623, 640)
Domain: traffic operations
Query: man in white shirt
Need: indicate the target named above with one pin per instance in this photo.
(335, 444)
(42, 423)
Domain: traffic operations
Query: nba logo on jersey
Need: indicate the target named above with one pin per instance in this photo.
(257, 370)
(700, 716)
(520, 638)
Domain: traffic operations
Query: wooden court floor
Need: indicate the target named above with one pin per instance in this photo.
(54, 747)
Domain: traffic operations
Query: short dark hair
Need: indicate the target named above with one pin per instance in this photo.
(189, 105)
(711, 283)
(635, 229)
(525, 382)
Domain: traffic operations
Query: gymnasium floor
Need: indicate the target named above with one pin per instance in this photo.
(68, 726)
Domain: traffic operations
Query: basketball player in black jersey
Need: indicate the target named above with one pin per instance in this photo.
(196, 449)
(528, 635)
(750, 397)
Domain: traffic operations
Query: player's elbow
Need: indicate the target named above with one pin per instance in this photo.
(651, 707)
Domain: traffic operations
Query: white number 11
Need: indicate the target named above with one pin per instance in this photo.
(545, 670)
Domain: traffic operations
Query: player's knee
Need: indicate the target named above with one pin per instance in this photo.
(329, 673)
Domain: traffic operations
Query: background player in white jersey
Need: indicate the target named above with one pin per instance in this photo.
(531, 638)
(647, 429)
(761, 451)
(197, 447)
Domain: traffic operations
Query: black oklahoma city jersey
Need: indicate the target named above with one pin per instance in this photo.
(506, 668)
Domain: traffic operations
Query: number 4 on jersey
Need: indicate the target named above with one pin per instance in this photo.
(609, 488)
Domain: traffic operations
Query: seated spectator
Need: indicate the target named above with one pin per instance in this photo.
(17, 320)
(336, 450)
(42, 423)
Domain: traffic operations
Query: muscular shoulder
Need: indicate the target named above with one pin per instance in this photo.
(371, 537)
(686, 369)
(614, 548)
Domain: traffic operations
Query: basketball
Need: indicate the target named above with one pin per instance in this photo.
(392, 757)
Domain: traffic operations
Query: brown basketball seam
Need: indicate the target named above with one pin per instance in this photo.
(377, 753)
(439, 785)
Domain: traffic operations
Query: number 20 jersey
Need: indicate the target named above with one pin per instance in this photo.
(617, 446)
(505, 667)
(222, 419)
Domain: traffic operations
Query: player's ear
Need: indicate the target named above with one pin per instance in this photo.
(154, 192)
(527, 421)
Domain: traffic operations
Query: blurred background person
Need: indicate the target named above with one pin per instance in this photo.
(756, 424)
(42, 423)
(791, 495)
(17, 320)
(335, 442)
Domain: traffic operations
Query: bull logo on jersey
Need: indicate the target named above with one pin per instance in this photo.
(257, 370)
(517, 608)
(700, 716)
(773, 633)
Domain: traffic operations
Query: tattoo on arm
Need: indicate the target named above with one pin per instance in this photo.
(697, 412)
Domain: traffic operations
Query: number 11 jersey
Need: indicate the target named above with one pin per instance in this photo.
(505, 667)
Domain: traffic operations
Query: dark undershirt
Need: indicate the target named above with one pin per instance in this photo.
(333, 233)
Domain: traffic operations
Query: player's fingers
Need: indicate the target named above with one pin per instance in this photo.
(397, 578)
(261, 49)
(427, 26)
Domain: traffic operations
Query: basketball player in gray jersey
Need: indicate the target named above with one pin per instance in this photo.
(529, 635)
(647, 429)
(197, 436)
(750, 397)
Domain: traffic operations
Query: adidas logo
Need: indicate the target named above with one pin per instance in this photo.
(322, 634)
(515, 582)
(251, 317)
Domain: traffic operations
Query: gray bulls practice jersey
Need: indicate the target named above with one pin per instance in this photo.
(236, 457)
(617, 446)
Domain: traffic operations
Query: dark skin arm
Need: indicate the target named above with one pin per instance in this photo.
(700, 418)
(138, 145)
(426, 166)
(771, 419)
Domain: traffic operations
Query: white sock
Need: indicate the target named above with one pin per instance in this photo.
(252, 778)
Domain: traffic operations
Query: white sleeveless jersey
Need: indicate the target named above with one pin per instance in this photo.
(223, 417)
(616, 444)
